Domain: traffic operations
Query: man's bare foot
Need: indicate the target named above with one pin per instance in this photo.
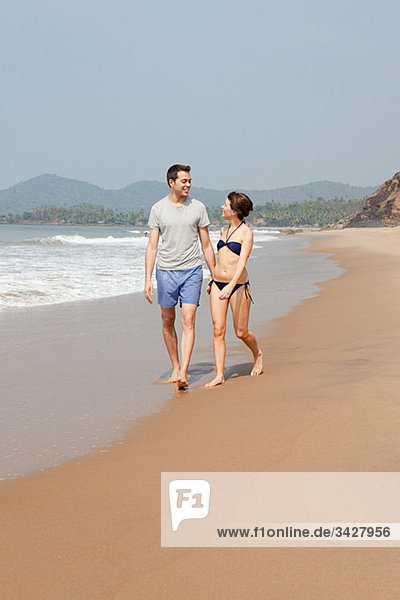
(219, 380)
(174, 376)
(258, 364)
(182, 382)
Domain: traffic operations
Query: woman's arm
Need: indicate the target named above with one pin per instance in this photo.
(247, 246)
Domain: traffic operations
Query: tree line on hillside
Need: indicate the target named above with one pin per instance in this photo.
(81, 214)
(310, 212)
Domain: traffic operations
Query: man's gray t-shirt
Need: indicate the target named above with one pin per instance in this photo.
(178, 225)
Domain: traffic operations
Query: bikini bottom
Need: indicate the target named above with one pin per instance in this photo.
(221, 284)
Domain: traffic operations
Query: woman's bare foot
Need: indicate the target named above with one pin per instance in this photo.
(258, 364)
(219, 380)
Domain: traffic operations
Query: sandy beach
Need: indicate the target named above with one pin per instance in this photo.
(328, 401)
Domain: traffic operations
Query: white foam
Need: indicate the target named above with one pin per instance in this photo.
(59, 240)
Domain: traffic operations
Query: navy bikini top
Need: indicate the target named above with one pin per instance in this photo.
(234, 247)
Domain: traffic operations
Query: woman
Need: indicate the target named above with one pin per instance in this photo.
(231, 284)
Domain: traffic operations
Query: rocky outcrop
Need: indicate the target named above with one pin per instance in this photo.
(382, 209)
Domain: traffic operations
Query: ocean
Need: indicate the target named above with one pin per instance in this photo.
(42, 265)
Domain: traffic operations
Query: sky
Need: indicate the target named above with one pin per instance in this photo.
(253, 95)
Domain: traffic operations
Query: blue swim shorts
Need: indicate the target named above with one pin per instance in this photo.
(184, 285)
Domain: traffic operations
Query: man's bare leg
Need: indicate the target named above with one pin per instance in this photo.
(188, 319)
(171, 340)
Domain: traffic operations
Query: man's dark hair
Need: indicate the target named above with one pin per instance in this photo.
(240, 203)
(173, 171)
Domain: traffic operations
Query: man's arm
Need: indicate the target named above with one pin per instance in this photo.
(151, 253)
(207, 249)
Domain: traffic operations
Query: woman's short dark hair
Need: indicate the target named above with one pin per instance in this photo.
(241, 204)
(173, 171)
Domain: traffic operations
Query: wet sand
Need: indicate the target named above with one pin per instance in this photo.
(328, 401)
(76, 376)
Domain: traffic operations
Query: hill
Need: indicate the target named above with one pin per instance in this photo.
(52, 190)
(381, 209)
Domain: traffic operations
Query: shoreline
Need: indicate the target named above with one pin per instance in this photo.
(326, 402)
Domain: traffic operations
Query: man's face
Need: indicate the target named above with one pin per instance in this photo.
(182, 184)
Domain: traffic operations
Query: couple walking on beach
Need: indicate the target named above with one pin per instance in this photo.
(183, 221)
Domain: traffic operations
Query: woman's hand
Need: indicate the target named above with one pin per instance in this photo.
(227, 291)
(209, 285)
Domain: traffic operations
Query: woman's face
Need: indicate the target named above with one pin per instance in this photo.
(227, 209)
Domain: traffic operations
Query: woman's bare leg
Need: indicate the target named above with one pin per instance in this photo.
(219, 309)
(240, 305)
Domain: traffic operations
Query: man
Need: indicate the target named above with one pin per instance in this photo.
(181, 220)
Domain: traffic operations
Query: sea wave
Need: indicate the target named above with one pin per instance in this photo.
(80, 240)
(265, 237)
